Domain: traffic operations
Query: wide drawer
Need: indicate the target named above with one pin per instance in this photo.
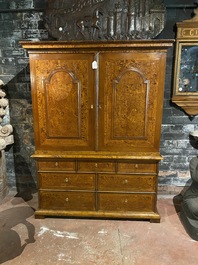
(74, 201)
(96, 166)
(69, 181)
(126, 202)
(133, 183)
(127, 167)
(56, 165)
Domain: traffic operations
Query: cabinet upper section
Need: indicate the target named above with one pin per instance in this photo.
(90, 97)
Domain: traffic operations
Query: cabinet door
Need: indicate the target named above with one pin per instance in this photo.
(63, 100)
(130, 100)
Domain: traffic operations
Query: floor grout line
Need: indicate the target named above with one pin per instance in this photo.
(121, 250)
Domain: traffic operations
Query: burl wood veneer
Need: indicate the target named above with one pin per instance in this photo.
(97, 110)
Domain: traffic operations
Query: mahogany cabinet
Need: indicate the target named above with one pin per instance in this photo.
(97, 109)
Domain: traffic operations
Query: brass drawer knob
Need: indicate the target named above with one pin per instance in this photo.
(56, 164)
(66, 180)
(96, 165)
(125, 181)
(136, 165)
(67, 199)
(126, 201)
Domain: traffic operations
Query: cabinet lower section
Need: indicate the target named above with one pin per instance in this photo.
(100, 205)
(98, 188)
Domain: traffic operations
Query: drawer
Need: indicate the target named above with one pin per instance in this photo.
(73, 201)
(69, 181)
(127, 167)
(133, 183)
(126, 202)
(96, 166)
(56, 165)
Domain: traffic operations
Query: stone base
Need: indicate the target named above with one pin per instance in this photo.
(191, 225)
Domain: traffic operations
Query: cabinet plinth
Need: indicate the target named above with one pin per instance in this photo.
(97, 110)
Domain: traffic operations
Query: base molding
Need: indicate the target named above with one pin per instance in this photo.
(153, 217)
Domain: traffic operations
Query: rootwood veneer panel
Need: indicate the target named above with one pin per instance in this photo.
(68, 201)
(97, 110)
(56, 165)
(65, 119)
(67, 181)
(124, 183)
(125, 202)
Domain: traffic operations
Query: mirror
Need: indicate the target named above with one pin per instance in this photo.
(185, 89)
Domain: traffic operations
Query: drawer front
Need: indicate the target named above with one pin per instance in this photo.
(96, 166)
(126, 202)
(73, 201)
(56, 165)
(67, 181)
(133, 183)
(127, 167)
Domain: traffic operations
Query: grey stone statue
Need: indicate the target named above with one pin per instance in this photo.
(189, 205)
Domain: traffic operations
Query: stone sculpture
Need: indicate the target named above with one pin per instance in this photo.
(189, 205)
(6, 138)
(5, 131)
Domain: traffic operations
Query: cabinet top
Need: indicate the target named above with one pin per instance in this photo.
(102, 45)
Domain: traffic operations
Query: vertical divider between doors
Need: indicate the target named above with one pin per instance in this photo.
(96, 99)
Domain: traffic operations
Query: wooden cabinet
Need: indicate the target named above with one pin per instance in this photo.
(97, 117)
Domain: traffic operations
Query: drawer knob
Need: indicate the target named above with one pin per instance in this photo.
(125, 181)
(56, 164)
(96, 165)
(125, 200)
(67, 199)
(136, 165)
(66, 180)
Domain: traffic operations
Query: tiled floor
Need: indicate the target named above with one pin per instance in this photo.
(25, 240)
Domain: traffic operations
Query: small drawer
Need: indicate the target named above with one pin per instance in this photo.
(56, 165)
(126, 202)
(128, 167)
(133, 183)
(96, 166)
(67, 181)
(68, 201)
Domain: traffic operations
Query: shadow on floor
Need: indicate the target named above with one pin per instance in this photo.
(11, 220)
